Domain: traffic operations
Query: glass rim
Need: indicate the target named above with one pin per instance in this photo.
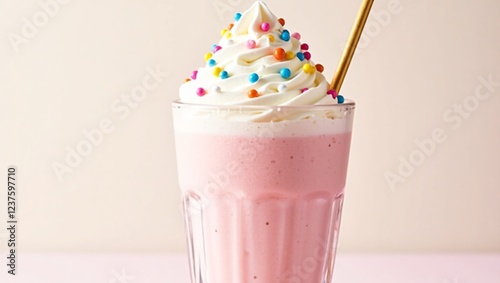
(347, 105)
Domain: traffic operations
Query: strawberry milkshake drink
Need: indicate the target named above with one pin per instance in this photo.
(262, 154)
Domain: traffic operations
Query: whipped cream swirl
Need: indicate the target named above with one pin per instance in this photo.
(258, 62)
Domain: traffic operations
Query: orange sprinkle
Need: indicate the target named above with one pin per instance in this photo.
(230, 26)
(253, 93)
(282, 21)
(279, 54)
(320, 68)
(187, 80)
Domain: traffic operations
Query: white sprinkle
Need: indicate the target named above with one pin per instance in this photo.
(216, 89)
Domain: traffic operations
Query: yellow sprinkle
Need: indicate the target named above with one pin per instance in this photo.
(289, 55)
(308, 68)
(217, 71)
(223, 31)
(208, 56)
(227, 35)
(271, 37)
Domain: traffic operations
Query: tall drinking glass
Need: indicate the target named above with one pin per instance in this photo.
(262, 188)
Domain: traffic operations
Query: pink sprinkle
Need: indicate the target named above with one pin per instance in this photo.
(304, 90)
(265, 26)
(217, 48)
(194, 74)
(307, 55)
(332, 92)
(296, 35)
(200, 91)
(304, 46)
(251, 44)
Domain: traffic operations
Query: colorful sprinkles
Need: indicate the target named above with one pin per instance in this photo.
(333, 93)
(300, 55)
(216, 89)
(194, 74)
(265, 26)
(200, 91)
(285, 35)
(253, 93)
(285, 73)
(253, 78)
(279, 54)
(217, 71)
(308, 68)
(340, 99)
(216, 48)
(224, 75)
(289, 55)
(251, 44)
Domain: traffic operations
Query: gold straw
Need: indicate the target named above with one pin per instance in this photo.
(351, 44)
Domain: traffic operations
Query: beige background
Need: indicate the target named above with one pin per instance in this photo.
(419, 63)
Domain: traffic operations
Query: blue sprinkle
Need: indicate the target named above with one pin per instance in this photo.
(285, 73)
(237, 16)
(340, 99)
(300, 55)
(224, 75)
(285, 35)
(212, 62)
(253, 78)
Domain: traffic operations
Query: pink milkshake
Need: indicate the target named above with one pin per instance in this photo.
(262, 200)
(262, 153)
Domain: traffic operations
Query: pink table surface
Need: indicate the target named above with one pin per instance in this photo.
(173, 268)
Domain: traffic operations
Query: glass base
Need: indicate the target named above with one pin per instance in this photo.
(265, 238)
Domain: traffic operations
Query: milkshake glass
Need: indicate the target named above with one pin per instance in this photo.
(262, 188)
